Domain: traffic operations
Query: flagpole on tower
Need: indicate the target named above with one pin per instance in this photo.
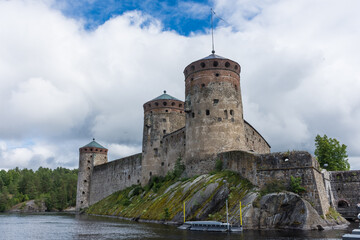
(212, 31)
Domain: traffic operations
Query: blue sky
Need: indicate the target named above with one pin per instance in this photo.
(174, 15)
(74, 70)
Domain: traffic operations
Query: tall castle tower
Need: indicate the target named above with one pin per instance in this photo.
(214, 110)
(162, 115)
(91, 155)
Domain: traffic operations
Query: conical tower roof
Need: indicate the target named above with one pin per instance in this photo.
(165, 96)
(94, 144)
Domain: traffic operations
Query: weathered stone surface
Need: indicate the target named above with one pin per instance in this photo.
(345, 186)
(289, 210)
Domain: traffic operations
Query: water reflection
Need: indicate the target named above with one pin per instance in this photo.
(67, 226)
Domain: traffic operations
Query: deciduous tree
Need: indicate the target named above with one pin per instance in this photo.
(329, 151)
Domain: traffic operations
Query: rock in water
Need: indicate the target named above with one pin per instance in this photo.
(289, 210)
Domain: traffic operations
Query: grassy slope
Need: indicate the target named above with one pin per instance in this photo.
(164, 200)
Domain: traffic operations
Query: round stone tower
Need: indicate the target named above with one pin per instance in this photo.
(90, 155)
(213, 105)
(162, 115)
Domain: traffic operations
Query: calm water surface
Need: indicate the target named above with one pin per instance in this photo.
(69, 226)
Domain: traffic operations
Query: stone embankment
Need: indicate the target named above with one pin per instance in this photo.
(205, 199)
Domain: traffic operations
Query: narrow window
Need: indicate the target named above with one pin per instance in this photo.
(232, 112)
(216, 101)
(150, 174)
(164, 103)
(193, 115)
(203, 85)
(172, 104)
(235, 87)
(215, 64)
(227, 64)
(128, 176)
(226, 114)
(202, 65)
(155, 151)
(162, 163)
(164, 131)
(207, 112)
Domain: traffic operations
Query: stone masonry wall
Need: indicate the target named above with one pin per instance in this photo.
(254, 141)
(264, 168)
(173, 148)
(345, 187)
(114, 176)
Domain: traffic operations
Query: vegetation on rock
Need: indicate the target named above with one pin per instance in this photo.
(163, 198)
(329, 151)
(57, 188)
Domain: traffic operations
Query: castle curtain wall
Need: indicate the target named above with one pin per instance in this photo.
(114, 176)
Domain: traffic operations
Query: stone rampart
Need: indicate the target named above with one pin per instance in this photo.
(114, 176)
(261, 169)
(345, 187)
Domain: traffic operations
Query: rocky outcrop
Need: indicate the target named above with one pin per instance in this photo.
(30, 206)
(205, 197)
(287, 210)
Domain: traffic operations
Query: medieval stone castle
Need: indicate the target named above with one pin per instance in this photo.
(209, 126)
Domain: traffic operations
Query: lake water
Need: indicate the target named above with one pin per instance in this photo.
(70, 226)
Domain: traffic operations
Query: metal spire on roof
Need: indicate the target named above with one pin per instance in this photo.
(164, 91)
(93, 139)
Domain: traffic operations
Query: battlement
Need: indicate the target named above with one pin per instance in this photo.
(212, 70)
(93, 150)
(212, 62)
(164, 105)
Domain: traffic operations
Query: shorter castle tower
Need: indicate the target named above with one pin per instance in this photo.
(91, 155)
(162, 115)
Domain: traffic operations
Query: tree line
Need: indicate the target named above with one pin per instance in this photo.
(56, 187)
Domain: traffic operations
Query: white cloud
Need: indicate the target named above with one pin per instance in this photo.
(61, 85)
(117, 151)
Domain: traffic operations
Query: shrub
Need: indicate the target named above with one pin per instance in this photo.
(218, 165)
(166, 213)
(295, 185)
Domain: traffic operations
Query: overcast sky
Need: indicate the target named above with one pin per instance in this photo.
(74, 70)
